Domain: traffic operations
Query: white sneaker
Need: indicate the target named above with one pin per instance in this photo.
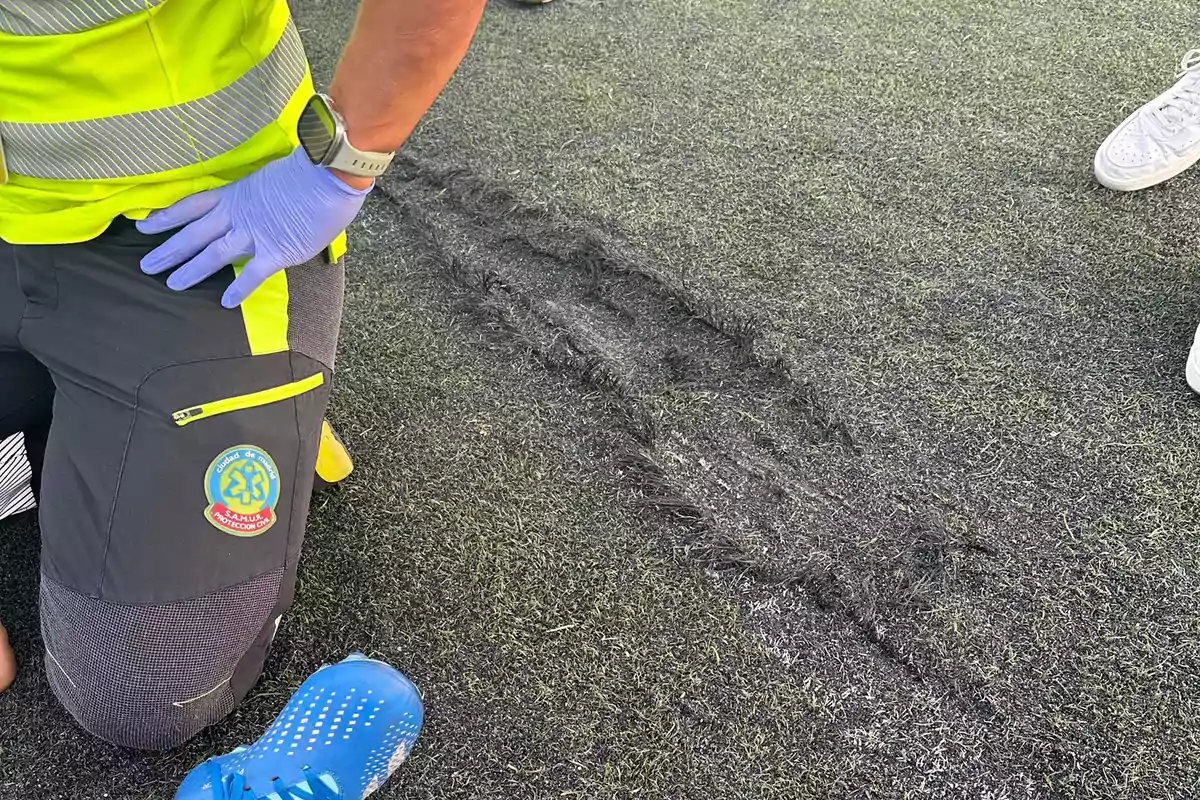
(1159, 140)
(1192, 370)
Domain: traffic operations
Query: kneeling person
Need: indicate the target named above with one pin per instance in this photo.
(170, 294)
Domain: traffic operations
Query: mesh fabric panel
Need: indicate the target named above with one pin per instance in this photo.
(151, 677)
(315, 292)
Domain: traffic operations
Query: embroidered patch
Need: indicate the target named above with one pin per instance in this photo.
(242, 485)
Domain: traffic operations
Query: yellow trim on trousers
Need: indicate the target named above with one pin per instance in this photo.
(242, 402)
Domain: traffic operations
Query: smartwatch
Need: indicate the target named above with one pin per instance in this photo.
(322, 134)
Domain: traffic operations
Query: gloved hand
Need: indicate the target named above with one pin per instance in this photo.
(280, 216)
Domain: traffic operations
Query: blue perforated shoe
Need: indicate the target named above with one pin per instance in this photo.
(340, 737)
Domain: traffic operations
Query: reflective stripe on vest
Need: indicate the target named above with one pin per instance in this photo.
(46, 17)
(149, 142)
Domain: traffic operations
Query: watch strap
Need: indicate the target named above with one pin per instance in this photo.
(347, 158)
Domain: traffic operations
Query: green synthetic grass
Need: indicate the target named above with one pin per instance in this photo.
(754, 400)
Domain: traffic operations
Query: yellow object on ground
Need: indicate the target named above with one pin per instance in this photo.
(333, 460)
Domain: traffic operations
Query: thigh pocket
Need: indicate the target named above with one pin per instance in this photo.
(216, 479)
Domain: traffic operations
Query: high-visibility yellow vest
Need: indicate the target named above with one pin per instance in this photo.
(117, 107)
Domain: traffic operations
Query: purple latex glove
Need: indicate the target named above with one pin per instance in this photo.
(280, 216)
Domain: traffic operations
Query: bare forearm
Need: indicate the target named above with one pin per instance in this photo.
(401, 54)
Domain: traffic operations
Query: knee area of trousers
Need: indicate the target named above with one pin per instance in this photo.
(131, 711)
(149, 677)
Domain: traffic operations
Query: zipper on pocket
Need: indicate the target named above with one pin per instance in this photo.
(187, 416)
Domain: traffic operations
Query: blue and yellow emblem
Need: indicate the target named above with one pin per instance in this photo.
(242, 485)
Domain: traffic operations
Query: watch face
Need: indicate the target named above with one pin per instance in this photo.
(317, 129)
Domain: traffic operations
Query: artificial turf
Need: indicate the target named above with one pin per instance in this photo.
(753, 400)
